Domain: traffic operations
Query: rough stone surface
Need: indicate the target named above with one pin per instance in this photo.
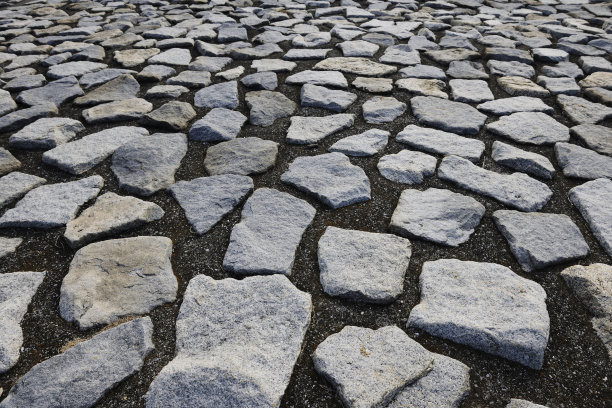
(14, 185)
(267, 106)
(595, 137)
(249, 155)
(8, 162)
(320, 97)
(218, 125)
(594, 201)
(582, 163)
(46, 133)
(521, 160)
(531, 128)
(440, 142)
(593, 285)
(367, 143)
(447, 115)
(8, 246)
(127, 109)
(382, 109)
(309, 129)
(407, 167)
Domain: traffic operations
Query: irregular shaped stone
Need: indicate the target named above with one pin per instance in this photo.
(323, 78)
(530, 127)
(271, 64)
(222, 95)
(166, 91)
(56, 92)
(382, 109)
(423, 87)
(101, 77)
(267, 106)
(18, 119)
(519, 86)
(266, 238)
(9, 246)
(582, 111)
(8, 162)
(447, 115)
(117, 89)
(596, 137)
(218, 125)
(521, 160)
(519, 403)
(423, 71)
(363, 144)
(556, 86)
(593, 286)
(249, 155)
(52, 205)
(440, 142)
(401, 54)
(594, 201)
(109, 215)
(453, 295)
(321, 97)
(46, 133)
(112, 279)
(517, 190)
(127, 109)
(355, 65)
(295, 54)
(368, 368)
(266, 80)
(446, 56)
(363, 266)
(7, 104)
(173, 56)
(539, 240)
(311, 129)
(358, 48)
(470, 90)
(174, 115)
(466, 70)
(84, 373)
(507, 106)
(247, 360)
(14, 185)
(147, 164)
(330, 177)
(16, 292)
(436, 215)
(407, 167)
(74, 68)
(582, 163)
(191, 79)
(373, 85)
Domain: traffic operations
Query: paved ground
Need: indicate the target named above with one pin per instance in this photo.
(400, 204)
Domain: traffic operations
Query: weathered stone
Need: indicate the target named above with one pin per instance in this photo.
(470, 90)
(594, 201)
(519, 403)
(519, 86)
(401, 54)
(74, 68)
(446, 56)
(267, 106)
(582, 111)
(521, 160)
(423, 87)
(582, 163)
(266, 80)
(373, 85)
(407, 167)
(117, 89)
(191, 79)
(222, 95)
(174, 115)
(46, 133)
(9, 246)
(134, 57)
(274, 65)
(447, 115)
(173, 56)
(320, 97)
(358, 48)
(218, 125)
(127, 109)
(596, 137)
(507, 106)
(367, 143)
(593, 286)
(556, 86)
(323, 78)
(7, 104)
(453, 295)
(14, 185)
(8, 162)
(56, 92)
(18, 119)
(249, 155)
(382, 109)
(311, 129)
(355, 65)
(166, 91)
(440, 142)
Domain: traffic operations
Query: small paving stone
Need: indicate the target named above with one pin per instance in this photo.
(596, 137)
(117, 89)
(266, 80)
(154, 73)
(333, 79)
(14, 185)
(7, 104)
(535, 128)
(358, 48)
(274, 65)
(445, 57)
(310, 129)
(25, 82)
(46, 133)
(355, 65)
(107, 358)
(8, 162)
(330, 177)
(368, 368)
(173, 56)
(519, 86)
(466, 70)
(9, 246)
(407, 167)
(268, 106)
(423, 87)
(142, 168)
(248, 155)
(218, 125)
(268, 234)
(582, 163)
(538, 240)
(447, 115)
(120, 277)
(373, 85)
(596, 79)
(440, 142)
(127, 109)
(103, 76)
(581, 111)
(401, 54)
(549, 55)
(423, 71)
(173, 115)
(52, 205)
(109, 215)
(320, 97)
(563, 69)
(556, 86)
(209, 64)
(382, 109)
(507, 106)
(191, 79)
(206, 200)
(20, 118)
(593, 200)
(593, 286)
(56, 92)
(248, 359)
(453, 295)
(521, 160)
(74, 68)
(222, 95)
(166, 91)
(363, 266)
(470, 90)
(436, 215)
(516, 190)
(363, 144)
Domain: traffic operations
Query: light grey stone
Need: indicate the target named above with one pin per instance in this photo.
(355, 65)
(127, 109)
(382, 109)
(423, 87)
(266, 80)
(323, 78)
(593, 286)
(16, 292)
(562, 69)
(447, 115)
(296, 54)
(206, 200)
(367, 143)
(363, 266)
(271, 64)
(7, 104)
(146, 164)
(84, 373)
(519, 403)
(245, 361)
(576, 161)
(222, 95)
(166, 91)
(368, 368)
(20, 118)
(507, 106)
(320, 97)
(519, 86)
(440, 142)
(423, 71)
(594, 201)
(218, 125)
(249, 155)
(74, 68)
(56, 92)
(373, 85)
(173, 56)
(311, 129)
(330, 177)
(191, 79)
(8, 162)
(358, 48)
(470, 90)
(516, 190)
(596, 137)
(209, 64)
(401, 54)
(580, 110)
(112, 279)
(407, 167)
(539, 240)
(117, 89)
(453, 295)
(101, 77)
(267, 106)
(109, 215)
(556, 86)
(436, 215)
(445, 57)
(521, 160)
(52, 205)
(14, 185)
(9, 246)
(466, 70)
(173, 115)
(46, 133)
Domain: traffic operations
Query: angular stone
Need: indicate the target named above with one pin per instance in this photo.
(562, 69)
(9, 246)
(311, 129)
(101, 77)
(218, 125)
(516, 190)
(14, 185)
(117, 89)
(206, 200)
(594, 201)
(74, 68)
(539, 240)
(112, 279)
(466, 70)
(222, 95)
(440, 142)
(266, 80)
(18, 119)
(453, 295)
(209, 64)
(407, 167)
(127, 109)
(46, 133)
(593, 286)
(423, 87)
(447, 115)
(401, 54)
(267, 236)
(535, 128)
(519, 86)
(56, 92)
(373, 85)
(323, 78)
(274, 65)
(470, 90)
(582, 163)
(330, 177)
(582, 111)
(52, 205)
(436, 215)
(423, 71)
(146, 164)
(355, 65)
(449, 55)
(7, 104)
(8, 162)
(603, 329)
(84, 373)
(174, 115)
(173, 56)
(295, 54)
(363, 266)
(132, 58)
(556, 86)
(382, 109)
(109, 215)
(363, 144)
(247, 360)
(521, 160)
(519, 403)
(596, 137)
(320, 97)
(507, 106)
(191, 79)
(16, 292)
(368, 368)
(358, 48)
(267, 106)
(249, 155)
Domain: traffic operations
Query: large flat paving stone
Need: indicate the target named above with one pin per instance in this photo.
(453, 295)
(450, 116)
(315, 96)
(242, 362)
(407, 167)
(521, 160)
(218, 125)
(112, 279)
(530, 127)
(267, 236)
(367, 143)
(355, 65)
(577, 161)
(46, 133)
(594, 201)
(441, 142)
(312, 129)
(248, 155)
(14, 185)
(267, 106)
